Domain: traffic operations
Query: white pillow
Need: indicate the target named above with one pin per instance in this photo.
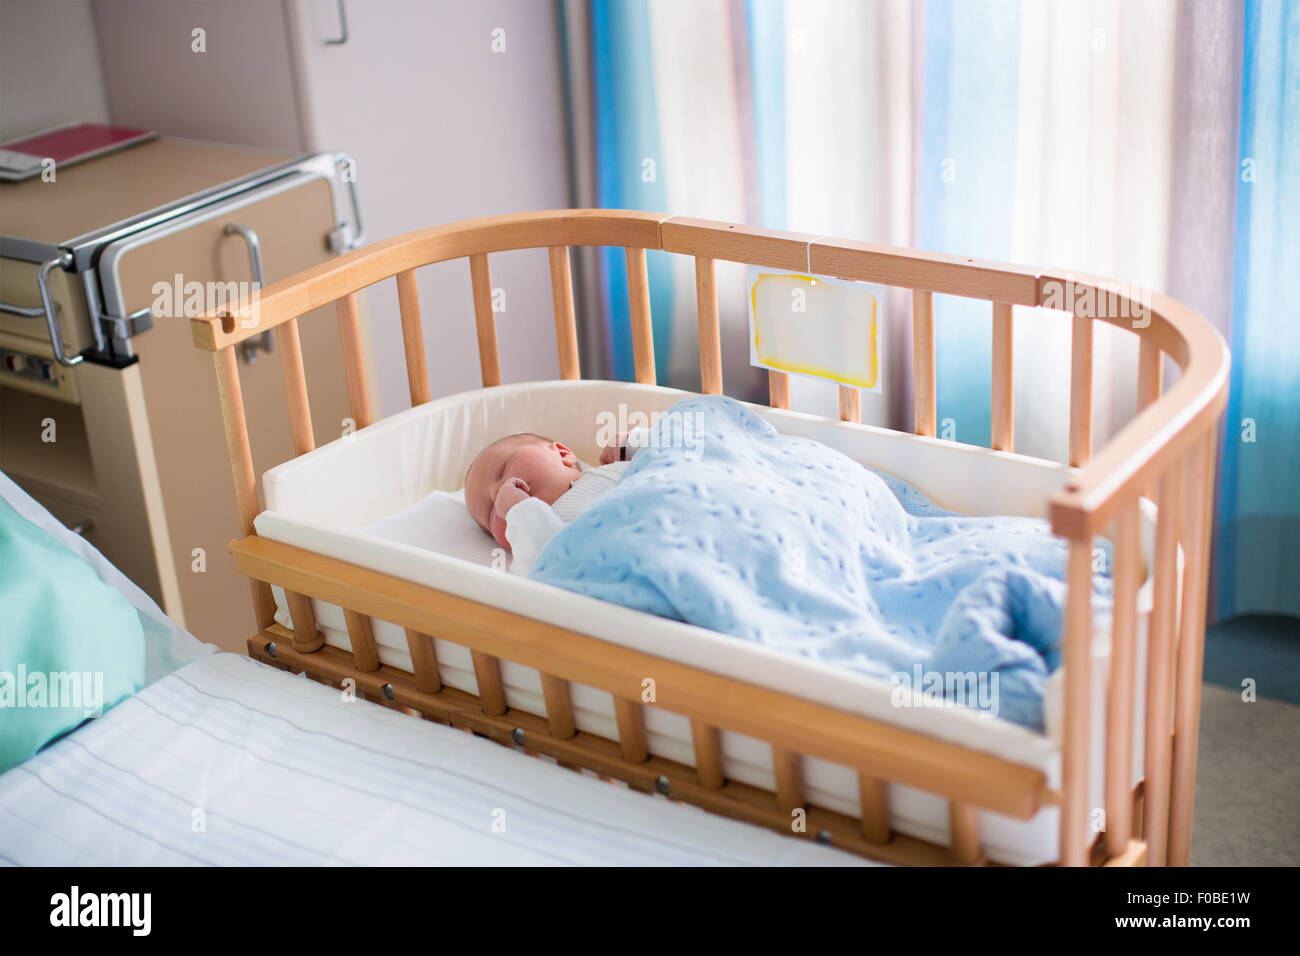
(440, 522)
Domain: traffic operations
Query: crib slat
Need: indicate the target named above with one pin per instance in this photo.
(873, 799)
(1160, 669)
(295, 386)
(491, 692)
(778, 389)
(643, 339)
(306, 636)
(708, 754)
(706, 300)
(1150, 373)
(1081, 391)
(235, 423)
(923, 384)
(631, 730)
(850, 404)
(354, 366)
(1150, 381)
(963, 833)
(559, 707)
(1119, 699)
(1078, 702)
(1198, 485)
(417, 373)
(566, 326)
(1003, 437)
(364, 652)
(787, 766)
(424, 662)
(484, 320)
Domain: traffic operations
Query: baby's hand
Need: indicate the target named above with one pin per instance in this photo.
(510, 494)
(613, 453)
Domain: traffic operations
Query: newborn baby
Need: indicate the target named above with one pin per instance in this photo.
(523, 488)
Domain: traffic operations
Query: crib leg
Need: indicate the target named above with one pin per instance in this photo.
(306, 637)
(788, 767)
(873, 798)
(708, 755)
(491, 692)
(559, 708)
(963, 828)
(631, 730)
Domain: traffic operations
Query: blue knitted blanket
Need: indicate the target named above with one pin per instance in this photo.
(724, 523)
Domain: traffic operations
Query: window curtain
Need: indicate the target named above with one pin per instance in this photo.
(1096, 136)
(1258, 546)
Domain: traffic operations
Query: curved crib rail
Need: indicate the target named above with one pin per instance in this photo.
(1168, 448)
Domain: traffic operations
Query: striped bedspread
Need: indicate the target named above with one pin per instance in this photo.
(230, 762)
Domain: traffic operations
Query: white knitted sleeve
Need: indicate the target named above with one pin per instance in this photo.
(529, 525)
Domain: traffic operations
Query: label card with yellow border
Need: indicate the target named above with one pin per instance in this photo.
(815, 326)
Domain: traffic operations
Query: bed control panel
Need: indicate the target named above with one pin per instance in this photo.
(24, 365)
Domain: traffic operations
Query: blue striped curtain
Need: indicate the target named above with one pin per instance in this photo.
(765, 23)
(965, 186)
(627, 135)
(972, 171)
(1259, 500)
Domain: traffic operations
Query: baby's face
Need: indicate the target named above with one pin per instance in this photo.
(548, 468)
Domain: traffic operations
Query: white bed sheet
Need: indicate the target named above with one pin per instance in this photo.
(230, 762)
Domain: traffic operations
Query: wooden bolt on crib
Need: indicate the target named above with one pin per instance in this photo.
(1166, 451)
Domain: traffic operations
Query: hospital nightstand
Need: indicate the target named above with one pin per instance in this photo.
(108, 415)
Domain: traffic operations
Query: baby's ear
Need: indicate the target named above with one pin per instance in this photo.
(567, 456)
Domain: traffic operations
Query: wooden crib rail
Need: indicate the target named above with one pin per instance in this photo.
(1168, 425)
(331, 280)
(798, 725)
(1165, 429)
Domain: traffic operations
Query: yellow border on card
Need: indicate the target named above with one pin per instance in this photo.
(815, 371)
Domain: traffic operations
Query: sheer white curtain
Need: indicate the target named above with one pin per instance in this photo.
(1094, 155)
(826, 117)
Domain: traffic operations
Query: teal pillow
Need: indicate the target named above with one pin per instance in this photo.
(71, 646)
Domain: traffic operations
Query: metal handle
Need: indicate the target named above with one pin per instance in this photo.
(341, 238)
(264, 341)
(343, 25)
(22, 311)
(62, 261)
(250, 236)
(360, 237)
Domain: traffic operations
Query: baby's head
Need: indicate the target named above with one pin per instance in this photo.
(548, 468)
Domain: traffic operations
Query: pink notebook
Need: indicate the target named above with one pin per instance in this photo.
(21, 158)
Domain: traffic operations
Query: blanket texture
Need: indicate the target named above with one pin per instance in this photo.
(724, 523)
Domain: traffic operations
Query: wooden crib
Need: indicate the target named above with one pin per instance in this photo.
(1166, 453)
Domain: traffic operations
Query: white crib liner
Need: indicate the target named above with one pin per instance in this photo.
(321, 500)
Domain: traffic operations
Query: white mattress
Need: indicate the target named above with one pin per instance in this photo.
(366, 499)
(230, 762)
